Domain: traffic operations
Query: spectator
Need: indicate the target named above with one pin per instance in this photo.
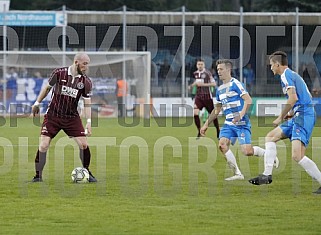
(11, 78)
(23, 72)
(248, 76)
(121, 92)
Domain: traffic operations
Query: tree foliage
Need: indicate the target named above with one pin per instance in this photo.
(286, 5)
(166, 5)
(95, 5)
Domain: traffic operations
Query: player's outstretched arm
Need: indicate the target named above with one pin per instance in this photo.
(212, 83)
(43, 93)
(211, 118)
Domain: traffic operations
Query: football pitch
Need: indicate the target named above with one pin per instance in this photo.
(154, 177)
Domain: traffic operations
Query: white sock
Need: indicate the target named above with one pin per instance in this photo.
(311, 168)
(231, 161)
(258, 151)
(269, 157)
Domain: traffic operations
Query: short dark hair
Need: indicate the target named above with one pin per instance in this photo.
(280, 57)
(227, 63)
(200, 60)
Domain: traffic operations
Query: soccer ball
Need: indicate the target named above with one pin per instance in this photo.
(80, 175)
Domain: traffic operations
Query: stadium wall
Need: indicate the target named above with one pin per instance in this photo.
(25, 91)
(210, 35)
(262, 107)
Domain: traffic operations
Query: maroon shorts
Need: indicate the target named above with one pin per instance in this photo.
(201, 103)
(71, 126)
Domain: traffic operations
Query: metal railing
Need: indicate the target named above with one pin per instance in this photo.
(244, 37)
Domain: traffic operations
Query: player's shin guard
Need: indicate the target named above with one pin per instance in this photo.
(269, 157)
(85, 157)
(197, 122)
(311, 168)
(231, 161)
(40, 162)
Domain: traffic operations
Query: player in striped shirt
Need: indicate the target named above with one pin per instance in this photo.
(300, 119)
(68, 85)
(204, 81)
(235, 101)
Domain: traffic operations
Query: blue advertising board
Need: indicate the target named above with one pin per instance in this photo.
(32, 19)
(23, 92)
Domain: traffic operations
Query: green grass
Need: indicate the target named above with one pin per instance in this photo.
(153, 179)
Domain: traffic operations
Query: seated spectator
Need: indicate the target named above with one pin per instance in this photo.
(11, 79)
(249, 79)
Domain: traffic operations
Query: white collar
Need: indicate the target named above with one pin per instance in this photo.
(284, 71)
(69, 73)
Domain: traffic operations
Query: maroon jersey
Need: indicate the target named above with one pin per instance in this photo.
(67, 91)
(203, 76)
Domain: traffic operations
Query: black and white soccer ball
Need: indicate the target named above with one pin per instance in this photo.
(80, 175)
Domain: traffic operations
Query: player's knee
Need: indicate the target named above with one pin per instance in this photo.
(83, 145)
(296, 157)
(196, 112)
(270, 137)
(248, 152)
(43, 147)
(223, 147)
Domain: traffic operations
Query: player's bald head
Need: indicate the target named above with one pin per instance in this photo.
(81, 62)
(81, 57)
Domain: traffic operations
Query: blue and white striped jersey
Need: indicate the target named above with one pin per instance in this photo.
(230, 96)
(290, 79)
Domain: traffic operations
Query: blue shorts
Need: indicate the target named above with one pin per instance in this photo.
(300, 127)
(231, 132)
